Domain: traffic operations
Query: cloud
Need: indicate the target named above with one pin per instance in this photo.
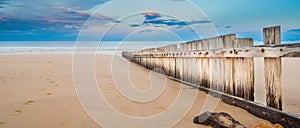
(297, 30)
(67, 23)
(68, 17)
(42, 18)
(36, 29)
(151, 15)
(227, 26)
(38, 25)
(71, 15)
(156, 20)
(3, 2)
(145, 31)
(134, 25)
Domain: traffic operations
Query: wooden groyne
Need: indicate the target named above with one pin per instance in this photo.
(225, 65)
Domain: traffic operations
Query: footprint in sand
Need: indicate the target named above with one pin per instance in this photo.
(2, 123)
(49, 94)
(65, 123)
(29, 102)
(52, 82)
(17, 113)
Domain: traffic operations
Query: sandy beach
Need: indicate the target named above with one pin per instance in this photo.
(38, 91)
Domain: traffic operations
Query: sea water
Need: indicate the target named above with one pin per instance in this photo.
(71, 47)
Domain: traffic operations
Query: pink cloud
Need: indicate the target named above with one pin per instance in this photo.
(150, 13)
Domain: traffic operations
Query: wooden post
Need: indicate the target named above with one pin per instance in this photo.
(184, 64)
(229, 42)
(189, 66)
(172, 61)
(178, 62)
(151, 62)
(204, 65)
(194, 65)
(243, 72)
(159, 61)
(217, 65)
(273, 69)
(167, 61)
(140, 59)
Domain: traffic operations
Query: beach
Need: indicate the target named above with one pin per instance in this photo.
(38, 91)
(149, 64)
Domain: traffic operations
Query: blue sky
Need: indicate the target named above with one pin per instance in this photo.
(145, 19)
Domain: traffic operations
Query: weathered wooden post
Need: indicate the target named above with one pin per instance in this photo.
(229, 42)
(159, 61)
(273, 71)
(151, 60)
(217, 64)
(166, 61)
(243, 72)
(204, 65)
(188, 66)
(172, 61)
(178, 61)
(194, 65)
(184, 64)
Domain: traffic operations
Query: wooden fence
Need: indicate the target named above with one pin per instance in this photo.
(224, 63)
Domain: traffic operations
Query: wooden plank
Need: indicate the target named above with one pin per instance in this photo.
(273, 70)
(253, 51)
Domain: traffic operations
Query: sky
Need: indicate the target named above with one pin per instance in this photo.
(134, 20)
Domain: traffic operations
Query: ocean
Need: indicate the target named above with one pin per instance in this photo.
(67, 47)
